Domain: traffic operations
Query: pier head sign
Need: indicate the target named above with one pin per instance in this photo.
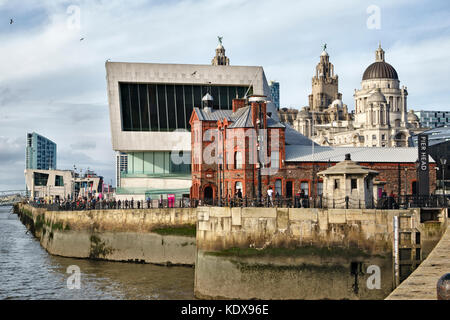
(423, 170)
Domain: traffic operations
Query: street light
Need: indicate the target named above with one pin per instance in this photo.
(443, 163)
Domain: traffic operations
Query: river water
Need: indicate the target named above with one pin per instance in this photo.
(27, 271)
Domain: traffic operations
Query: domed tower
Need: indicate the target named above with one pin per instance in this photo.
(324, 85)
(220, 59)
(381, 75)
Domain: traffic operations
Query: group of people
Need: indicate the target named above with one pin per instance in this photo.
(92, 203)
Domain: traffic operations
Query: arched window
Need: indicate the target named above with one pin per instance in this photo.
(238, 160)
(238, 185)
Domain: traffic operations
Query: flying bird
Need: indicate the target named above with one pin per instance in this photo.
(81, 39)
(11, 21)
(193, 73)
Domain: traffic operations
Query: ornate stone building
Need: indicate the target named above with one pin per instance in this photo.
(380, 118)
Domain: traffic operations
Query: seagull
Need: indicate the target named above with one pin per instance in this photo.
(11, 21)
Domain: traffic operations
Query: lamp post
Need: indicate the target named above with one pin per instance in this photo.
(443, 163)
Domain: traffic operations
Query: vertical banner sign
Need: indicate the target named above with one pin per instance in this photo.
(423, 170)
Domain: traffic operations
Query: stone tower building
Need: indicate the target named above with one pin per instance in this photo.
(324, 85)
(220, 59)
(380, 118)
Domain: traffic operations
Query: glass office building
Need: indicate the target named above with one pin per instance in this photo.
(275, 90)
(40, 152)
(433, 119)
(167, 107)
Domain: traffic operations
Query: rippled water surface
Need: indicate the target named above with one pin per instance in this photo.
(27, 271)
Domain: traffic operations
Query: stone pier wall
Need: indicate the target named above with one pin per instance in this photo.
(287, 253)
(160, 236)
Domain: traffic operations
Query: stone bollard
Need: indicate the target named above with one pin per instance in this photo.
(443, 287)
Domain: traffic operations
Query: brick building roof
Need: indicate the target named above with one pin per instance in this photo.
(296, 153)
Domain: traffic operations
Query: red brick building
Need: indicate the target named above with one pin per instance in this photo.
(225, 156)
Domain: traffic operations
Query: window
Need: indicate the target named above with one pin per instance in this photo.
(275, 159)
(59, 181)
(304, 185)
(238, 160)
(278, 187)
(374, 137)
(40, 179)
(319, 188)
(354, 184)
(238, 185)
(336, 184)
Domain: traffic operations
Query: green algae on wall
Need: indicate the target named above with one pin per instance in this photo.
(99, 249)
(302, 251)
(187, 230)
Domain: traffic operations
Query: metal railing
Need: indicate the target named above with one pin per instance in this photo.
(400, 202)
(114, 205)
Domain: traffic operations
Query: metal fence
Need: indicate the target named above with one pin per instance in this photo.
(401, 202)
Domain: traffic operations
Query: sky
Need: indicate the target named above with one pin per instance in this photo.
(53, 83)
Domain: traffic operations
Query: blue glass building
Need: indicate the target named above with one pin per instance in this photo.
(40, 152)
(275, 90)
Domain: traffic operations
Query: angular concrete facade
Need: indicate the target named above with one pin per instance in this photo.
(129, 141)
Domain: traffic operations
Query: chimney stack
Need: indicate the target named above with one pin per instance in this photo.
(238, 104)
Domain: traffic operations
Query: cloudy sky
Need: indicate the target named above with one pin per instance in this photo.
(54, 84)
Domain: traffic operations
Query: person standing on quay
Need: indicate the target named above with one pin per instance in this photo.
(270, 195)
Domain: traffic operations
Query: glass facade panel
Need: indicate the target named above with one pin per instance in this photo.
(171, 108)
(126, 108)
(189, 103)
(215, 93)
(161, 107)
(145, 112)
(181, 112)
(148, 162)
(154, 116)
(197, 96)
(135, 109)
(159, 162)
(138, 162)
(223, 99)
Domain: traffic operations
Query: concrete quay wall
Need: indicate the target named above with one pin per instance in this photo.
(115, 235)
(371, 229)
(295, 253)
